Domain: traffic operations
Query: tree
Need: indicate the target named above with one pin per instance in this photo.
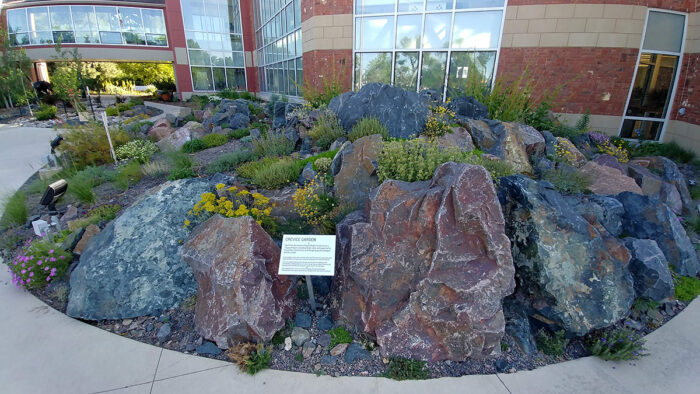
(15, 68)
(147, 73)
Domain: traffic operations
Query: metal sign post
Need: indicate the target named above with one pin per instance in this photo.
(310, 286)
(109, 138)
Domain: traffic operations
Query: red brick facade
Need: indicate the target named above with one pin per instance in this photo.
(310, 8)
(176, 39)
(249, 43)
(328, 65)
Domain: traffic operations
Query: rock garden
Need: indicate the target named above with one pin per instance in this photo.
(467, 241)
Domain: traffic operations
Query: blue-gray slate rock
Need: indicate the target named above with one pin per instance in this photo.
(322, 284)
(324, 340)
(302, 320)
(329, 360)
(164, 332)
(208, 349)
(569, 266)
(307, 175)
(518, 326)
(649, 267)
(467, 107)
(325, 323)
(238, 121)
(648, 218)
(356, 352)
(133, 267)
(279, 114)
(608, 211)
(403, 113)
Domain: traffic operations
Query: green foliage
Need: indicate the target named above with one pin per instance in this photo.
(323, 165)
(86, 144)
(272, 144)
(229, 161)
(269, 172)
(438, 122)
(286, 331)
(367, 126)
(228, 94)
(103, 213)
(46, 112)
(687, 288)
(193, 146)
(568, 181)
(330, 154)
(147, 73)
(112, 111)
(14, 210)
(65, 82)
(181, 166)
(326, 130)
(339, 335)
(255, 109)
(293, 226)
(552, 345)
(81, 188)
(238, 134)
(38, 264)
(213, 140)
(695, 192)
(302, 290)
(560, 129)
(260, 126)
(644, 305)
(155, 169)
(406, 369)
(200, 101)
(128, 174)
(618, 344)
(670, 150)
(258, 360)
(139, 150)
(181, 173)
(331, 85)
(299, 358)
(15, 73)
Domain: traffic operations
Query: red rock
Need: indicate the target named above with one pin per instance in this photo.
(161, 129)
(240, 297)
(90, 231)
(608, 180)
(426, 266)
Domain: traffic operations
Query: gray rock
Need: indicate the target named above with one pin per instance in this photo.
(308, 349)
(307, 174)
(291, 134)
(402, 112)
(324, 340)
(338, 143)
(608, 211)
(279, 114)
(178, 138)
(302, 320)
(550, 140)
(300, 336)
(322, 284)
(173, 119)
(238, 121)
(71, 241)
(518, 326)
(254, 134)
(505, 141)
(337, 162)
(610, 161)
(164, 332)
(646, 218)
(325, 323)
(208, 349)
(652, 278)
(569, 266)
(133, 267)
(358, 171)
(222, 178)
(356, 352)
(468, 107)
(329, 360)
(543, 166)
(150, 327)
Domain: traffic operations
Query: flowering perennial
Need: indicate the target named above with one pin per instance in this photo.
(234, 202)
(37, 264)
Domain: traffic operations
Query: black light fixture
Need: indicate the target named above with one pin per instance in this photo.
(55, 143)
(55, 191)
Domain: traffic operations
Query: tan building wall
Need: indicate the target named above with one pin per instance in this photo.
(607, 124)
(327, 32)
(685, 134)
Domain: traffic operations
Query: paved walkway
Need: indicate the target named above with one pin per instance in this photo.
(44, 351)
(21, 153)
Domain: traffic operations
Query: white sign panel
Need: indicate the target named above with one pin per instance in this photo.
(308, 255)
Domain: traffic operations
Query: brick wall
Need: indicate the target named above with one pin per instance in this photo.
(688, 90)
(248, 26)
(328, 65)
(311, 8)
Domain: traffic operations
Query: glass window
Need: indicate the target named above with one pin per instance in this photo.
(108, 37)
(408, 31)
(131, 19)
(433, 71)
(199, 58)
(65, 37)
(374, 67)
(410, 5)
(153, 21)
(406, 70)
(478, 3)
(219, 78)
(19, 39)
(437, 30)
(375, 6)
(235, 77)
(84, 18)
(87, 37)
(477, 30)
(664, 32)
(17, 21)
(376, 32)
(234, 17)
(60, 18)
(652, 87)
(438, 5)
(41, 37)
(201, 78)
(193, 15)
(297, 13)
(641, 129)
(107, 18)
(160, 40)
(134, 38)
(469, 70)
(38, 19)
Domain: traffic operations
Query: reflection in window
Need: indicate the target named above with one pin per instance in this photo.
(652, 87)
(470, 69)
(107, 37)
(374, 6)
(433, 71)
(84, 18)
(478, 3)
(201, 78)
(664, 32)
(17, 21)
(408, 31)
(406, 70)
(477, 30)
(437, 30)
(410, 5)
(65, 37)
(374, 67)
(438, 5)
(60, 18)
(153, 21)
(41, 37)
(107, 19)
(38, 18)
(376, 33)
(641, 129)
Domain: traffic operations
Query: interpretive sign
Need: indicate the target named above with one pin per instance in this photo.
(307, 255)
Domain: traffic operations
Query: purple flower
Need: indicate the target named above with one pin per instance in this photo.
(52, 259)
(38, 263)
(51, 251)
(46, 268)
(24, 272)
(31, 274)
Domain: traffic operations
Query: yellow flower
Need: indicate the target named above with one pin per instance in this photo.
(220, 186)
(187, 223)
(232, 189)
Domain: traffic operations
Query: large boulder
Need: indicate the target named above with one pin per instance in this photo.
(572, 269)
(457, 137)
(279, 114)
(467, 107)
(426, 266)
(133, 267)
(607, 180)
(569, 152)
(649, 267)
(402, 112)
(646, 218)
(161, 129)
(238, 121)
(357, 174)
(240, 297)
(671, 174)
(179, 137)
(504, 141)
(533, 139)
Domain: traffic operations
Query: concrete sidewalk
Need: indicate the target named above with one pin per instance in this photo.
(21, 154)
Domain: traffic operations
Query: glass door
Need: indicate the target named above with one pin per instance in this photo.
(653, 86)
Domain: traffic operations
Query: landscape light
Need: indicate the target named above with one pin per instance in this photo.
(55, 191)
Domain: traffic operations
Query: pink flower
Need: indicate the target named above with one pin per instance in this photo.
(48, 279)
(31, 274)
(62, 257)
(52, 259)
(38, 263)
(24, 272)
(51, 251)
(46, 268)
(24, 265)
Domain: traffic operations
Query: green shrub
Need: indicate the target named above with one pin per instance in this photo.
(321, 96)
(139, 150)
(81, 188)
(559, 129)
(270, 172)
(238, 134)
(229, 161)
(129, 174)
(438, 122)
(112, 111)
(644, 305)
(272, 144)
(339, 335)
(97, 175)
(413, 160)
(670, 150)
(135, 101)
(255, 109)
(86, 144)
(406, 369)
(260, 126)
(695, 192)
(38, 264)
(193, 146)
(189, 118)
(15, 209)
(228, 94)
(103, 213)
(46, 112)
(323, 165)
(286, 331)
(326, 130)
(367, 126)
(568, 181)
(181, 166)
(213, 140)
(618, 344)
(258, 360)
(155, 169)
(330, 154)
(552, 345)
(687, 288)
(181, 173)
